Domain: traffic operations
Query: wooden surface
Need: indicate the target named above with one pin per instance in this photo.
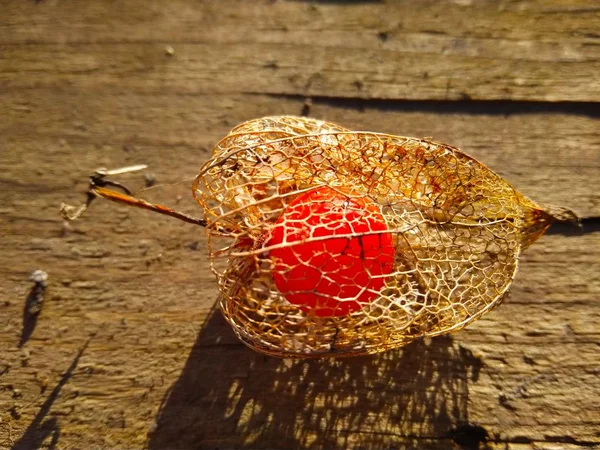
(128, 351)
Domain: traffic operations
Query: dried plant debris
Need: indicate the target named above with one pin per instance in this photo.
(36, 297)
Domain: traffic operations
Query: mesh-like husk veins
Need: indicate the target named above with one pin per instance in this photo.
(456, 230)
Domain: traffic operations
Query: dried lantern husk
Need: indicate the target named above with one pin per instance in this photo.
(457, 229)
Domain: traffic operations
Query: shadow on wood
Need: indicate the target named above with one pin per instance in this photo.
(30, 315)
(33, 305)
(43, 426)
(230, 396)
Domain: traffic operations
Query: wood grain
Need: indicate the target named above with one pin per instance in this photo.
(448, 50)
(128, 351)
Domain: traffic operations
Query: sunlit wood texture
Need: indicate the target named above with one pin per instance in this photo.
(87, 85)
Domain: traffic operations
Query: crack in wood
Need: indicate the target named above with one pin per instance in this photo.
(467, 106)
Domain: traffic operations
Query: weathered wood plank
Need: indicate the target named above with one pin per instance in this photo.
(552, 158)
(524, 371)
(524, 50)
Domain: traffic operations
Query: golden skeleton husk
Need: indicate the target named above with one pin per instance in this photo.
(457, 230)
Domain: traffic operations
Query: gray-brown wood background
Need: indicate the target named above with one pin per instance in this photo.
(128, 351)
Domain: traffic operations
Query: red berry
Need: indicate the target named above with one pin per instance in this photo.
(324, 274)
